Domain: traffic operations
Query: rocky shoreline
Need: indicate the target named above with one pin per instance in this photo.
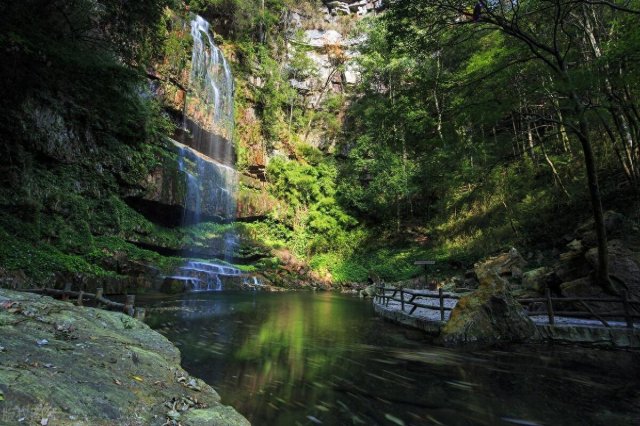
(66, 365)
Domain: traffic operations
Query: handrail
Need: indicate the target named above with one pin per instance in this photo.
(127, 307)
(576, 299)
(627, 305)
(385, 294)
(383, 298)
(420, 293)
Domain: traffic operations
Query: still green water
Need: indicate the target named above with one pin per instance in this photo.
(304, 359)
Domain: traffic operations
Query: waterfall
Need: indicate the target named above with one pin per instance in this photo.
(206, 154)
(211, 97)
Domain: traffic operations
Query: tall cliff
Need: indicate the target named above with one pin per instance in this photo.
(95, 193)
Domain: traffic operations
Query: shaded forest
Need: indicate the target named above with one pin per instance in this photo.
(466, 132)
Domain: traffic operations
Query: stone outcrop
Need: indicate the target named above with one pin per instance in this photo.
(624, 266)
(509, 264)
(349, 7)
(59, 361)
(573, 272)
(490, 314)
(163, 197)
(536, 279)
(254, 204)
(369, 291)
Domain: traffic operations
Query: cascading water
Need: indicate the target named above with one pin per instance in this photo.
(206, 155)
(211, 84)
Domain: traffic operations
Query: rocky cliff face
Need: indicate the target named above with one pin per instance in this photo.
(348, 7)
(330, 50)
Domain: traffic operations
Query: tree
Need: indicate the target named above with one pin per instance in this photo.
(549, 32)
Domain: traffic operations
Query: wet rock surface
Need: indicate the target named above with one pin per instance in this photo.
(66, 365)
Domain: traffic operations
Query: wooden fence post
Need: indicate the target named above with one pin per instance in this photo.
(441, 297)
(140, 313)
(99, 295)
(552, 320)
(128, 304)
(627, 310)
(67, 289)
(80, 295)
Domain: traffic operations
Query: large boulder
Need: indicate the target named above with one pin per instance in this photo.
(509, 264)
(624, 266)
(369, 291)
(175, 285)
(489, 315)
(581, 287)
(536, 279)
(67, 365)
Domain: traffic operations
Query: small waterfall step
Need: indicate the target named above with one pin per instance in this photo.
(214, 268)
(180, 283)
(252, 282)
(200, 276)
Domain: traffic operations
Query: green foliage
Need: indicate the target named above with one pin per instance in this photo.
(313, 221)
(40, 260)
(83, 59)
(462, 131)
(254, 20)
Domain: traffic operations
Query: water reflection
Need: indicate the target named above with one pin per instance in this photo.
(297, 358)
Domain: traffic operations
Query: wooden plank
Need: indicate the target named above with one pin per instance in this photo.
(67, 291)
(574, 299)
(424, 262)
(549, 306)
(588, 308)
(627, 309)
(107, 302)
(422, 305)
(579, 314)
(425, 294)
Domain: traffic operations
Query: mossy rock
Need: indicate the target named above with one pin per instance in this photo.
(74, 365)
(488, 315)
(215, 416)
(172, 285)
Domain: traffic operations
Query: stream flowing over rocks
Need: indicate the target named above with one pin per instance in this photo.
(68, 365)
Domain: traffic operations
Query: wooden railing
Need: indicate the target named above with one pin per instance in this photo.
(101, 301)
(629, 309)
(386, 294)
(627, 312)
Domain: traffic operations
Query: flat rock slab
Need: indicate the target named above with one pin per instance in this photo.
(67, 365)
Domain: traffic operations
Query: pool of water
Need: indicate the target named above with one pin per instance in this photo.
(305, 359)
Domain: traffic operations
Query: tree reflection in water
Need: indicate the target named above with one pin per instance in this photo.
(303, 358)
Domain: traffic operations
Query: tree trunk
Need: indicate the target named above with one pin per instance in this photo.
(602, 272)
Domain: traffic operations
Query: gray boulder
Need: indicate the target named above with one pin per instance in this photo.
(624, 266)
(535, 279)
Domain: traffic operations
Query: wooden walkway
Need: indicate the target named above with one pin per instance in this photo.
(433, 305)
(556, 318)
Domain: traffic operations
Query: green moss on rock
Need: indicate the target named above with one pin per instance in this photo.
(76, 365)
